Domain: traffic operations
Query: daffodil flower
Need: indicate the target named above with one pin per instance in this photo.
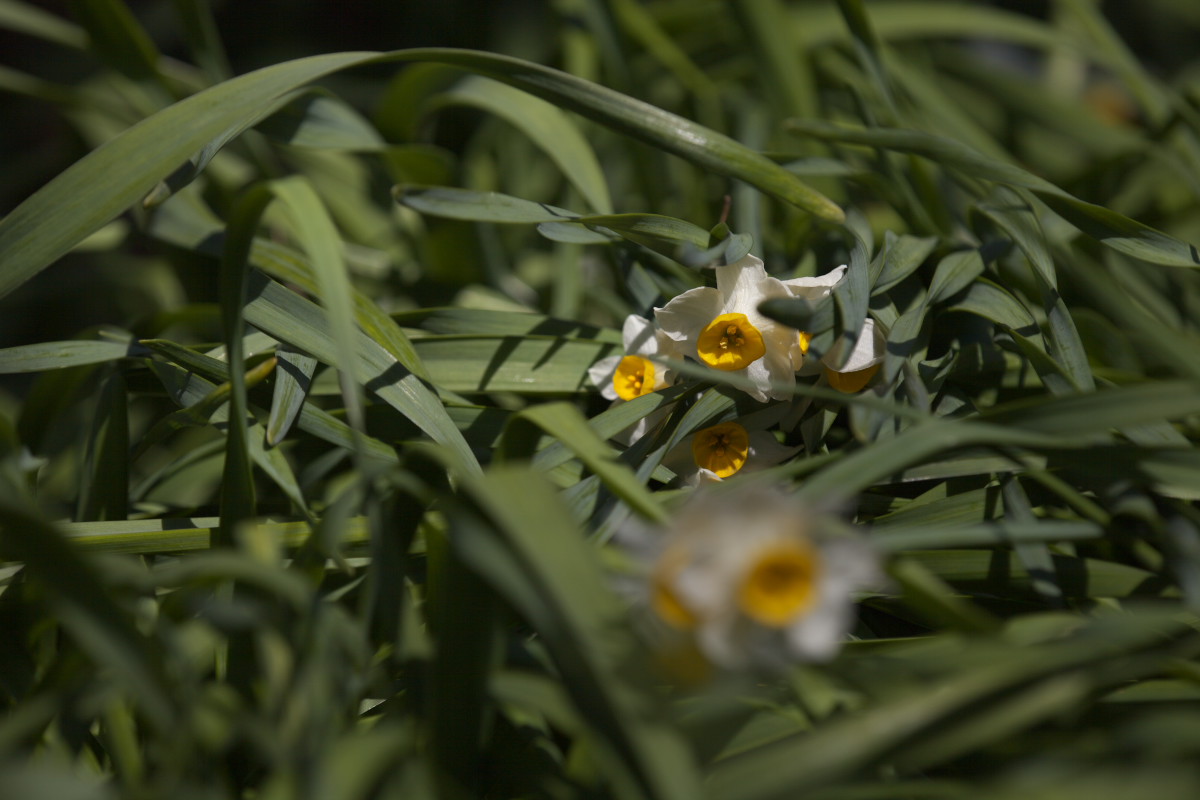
(863, 361)
(634, 374)
(722, 328)
(756, 580)
(727, 448)
(812, 290)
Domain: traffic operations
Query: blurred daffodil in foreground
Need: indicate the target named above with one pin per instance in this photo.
(757, 580)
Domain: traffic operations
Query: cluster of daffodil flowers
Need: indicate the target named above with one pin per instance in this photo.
(748, 579)
(752, 579)
(722, 329)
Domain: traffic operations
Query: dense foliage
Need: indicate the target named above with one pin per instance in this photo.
(740, 400)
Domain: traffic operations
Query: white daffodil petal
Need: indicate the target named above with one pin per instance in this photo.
(867, 351)
(643, 426)
(818, 637)
(639, 336)
(818, 287)
(766, 451)
(772, 374)
(739, 283)
(685, 316)
(601, 374)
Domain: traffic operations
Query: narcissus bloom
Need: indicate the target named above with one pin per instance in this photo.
(864, 360)
(634, 374)
(811, 289)
(757, 580)
(720, 451)
(722, 328)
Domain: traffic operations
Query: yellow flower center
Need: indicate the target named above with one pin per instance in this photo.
(851, 382)
(722, 448)
(730, 342)
(805, 339)
(781, 585)
(634, 377)
(663, 597)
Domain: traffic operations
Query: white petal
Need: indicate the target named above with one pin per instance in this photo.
(638, 335)
(640, 428)
(684, 317)
(765, 451)
(868, 351)
(738, 284)
(818, 636)
(774, 367)
(665, 346)
(847, 565)
(850, 565)
(818, 287)
(766, 289)
(601, 374)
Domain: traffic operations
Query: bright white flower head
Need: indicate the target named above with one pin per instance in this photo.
(753, 580)
(634, 374)
(722, 328)
(863, 361)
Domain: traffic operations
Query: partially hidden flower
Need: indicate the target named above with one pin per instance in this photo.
(634, 373)
(812, 290)
(723, 329)
(851, 372)
(756, 580)
(720, 451)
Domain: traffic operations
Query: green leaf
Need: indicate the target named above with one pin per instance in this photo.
(105, 492)
(900, 257)
(954, 273)
(531, 364)
(292, 378)
(33, 21)
(171, 535)
(117, 37)
(292, 319)
(548, 127)
(662, 234)
(238, 496)
(83, 606)
(321, 121)
(541, 564)
(58, 355)
(1016, 217)
(1106, 226)
(993, 302)
(446, 201)
(567, 425)
(319, 238)
(1100, 411)
(486, 322)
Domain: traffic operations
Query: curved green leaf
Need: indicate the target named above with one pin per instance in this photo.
(116, 175)
(548, 127)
